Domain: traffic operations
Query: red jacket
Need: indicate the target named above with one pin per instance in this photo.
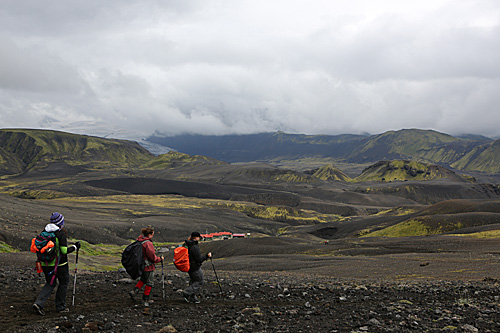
(148, 251)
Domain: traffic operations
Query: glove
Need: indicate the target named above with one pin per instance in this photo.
(78, 245)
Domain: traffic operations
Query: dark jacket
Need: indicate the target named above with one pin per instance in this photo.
(195, 258)
(148, 250)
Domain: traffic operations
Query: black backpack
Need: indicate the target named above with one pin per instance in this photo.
(133, 259)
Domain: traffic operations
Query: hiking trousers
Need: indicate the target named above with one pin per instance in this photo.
(148, 278)
(195, 283)
(62, 276)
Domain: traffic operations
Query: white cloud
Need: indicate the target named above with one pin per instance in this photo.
(221, 66)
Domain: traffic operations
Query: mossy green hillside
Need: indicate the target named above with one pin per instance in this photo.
(9, 163)
(270, 174)
(490, 234)
(36, 194)
(330, 172)
(485, 158)
(99, 249)
(397, 211)
(39, 148)
(36, 188)
(420, 226)
(403, 143)
(174, 159)
(403, 170)
(404, 229)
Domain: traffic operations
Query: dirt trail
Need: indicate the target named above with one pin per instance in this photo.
(254, 302)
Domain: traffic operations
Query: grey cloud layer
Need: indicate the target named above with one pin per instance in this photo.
(220, 67)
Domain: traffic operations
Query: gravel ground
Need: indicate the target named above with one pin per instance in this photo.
(255, 302)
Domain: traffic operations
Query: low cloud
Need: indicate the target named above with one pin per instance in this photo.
(216, 67)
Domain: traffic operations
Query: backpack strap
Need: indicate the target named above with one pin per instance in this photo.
(146, 260)
(55, 270)
(58, 250)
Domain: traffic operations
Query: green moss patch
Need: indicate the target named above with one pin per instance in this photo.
(410, 228)
(6, 248)
(483, 234)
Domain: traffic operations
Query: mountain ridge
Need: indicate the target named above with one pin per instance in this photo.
(466, 153)
(52, 165)
(23, 150)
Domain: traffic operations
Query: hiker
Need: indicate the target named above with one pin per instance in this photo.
(150, 257)
(56, 270)
(195, 272)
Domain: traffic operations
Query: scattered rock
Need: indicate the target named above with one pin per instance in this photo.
(469, 328)
(350, 306)
(94, 325)
(167, 329)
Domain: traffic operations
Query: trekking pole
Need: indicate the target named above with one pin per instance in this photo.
(163, 279)
(74, 280)
(216, 275)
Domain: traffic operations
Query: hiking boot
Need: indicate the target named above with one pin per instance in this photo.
(38, 309)
(191, 299)
(146, 300)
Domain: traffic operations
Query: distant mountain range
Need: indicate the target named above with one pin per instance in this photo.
(45, 152)
(397, 195)
(29, 150)
(472, 153)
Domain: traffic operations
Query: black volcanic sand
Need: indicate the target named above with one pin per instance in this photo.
(385, 285)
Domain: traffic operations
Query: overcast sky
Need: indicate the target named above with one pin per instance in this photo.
(231, 66)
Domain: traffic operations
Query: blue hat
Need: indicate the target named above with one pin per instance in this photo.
(57, 219)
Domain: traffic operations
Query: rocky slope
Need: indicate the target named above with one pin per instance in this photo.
(254, 302)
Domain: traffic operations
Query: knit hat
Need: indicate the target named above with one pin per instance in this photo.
(57, 219)
(195, 234)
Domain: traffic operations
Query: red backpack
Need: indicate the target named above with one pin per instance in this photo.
(181, 258)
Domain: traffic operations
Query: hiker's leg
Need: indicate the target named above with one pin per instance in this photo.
(63, 277)
(195, 283)
(198, 283)
(149, 276)
(47, 288)
(189, 291)
(142, 281)
(138, 286)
